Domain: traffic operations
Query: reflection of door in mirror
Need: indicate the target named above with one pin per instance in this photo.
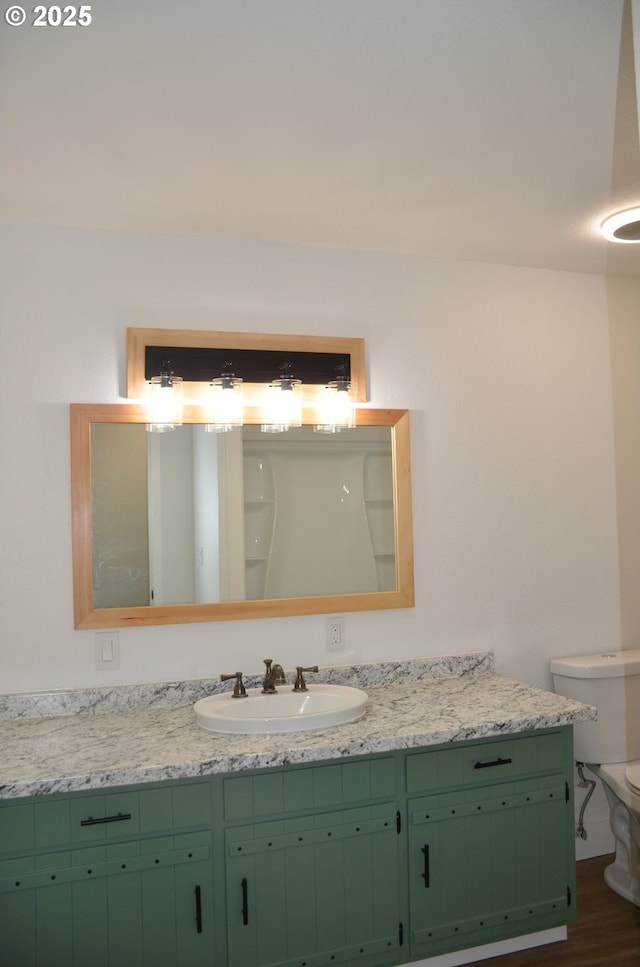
(195, 516)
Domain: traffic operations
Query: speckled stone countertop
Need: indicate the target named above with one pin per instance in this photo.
(150, 733)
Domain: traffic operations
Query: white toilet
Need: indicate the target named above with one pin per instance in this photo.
(611, 748)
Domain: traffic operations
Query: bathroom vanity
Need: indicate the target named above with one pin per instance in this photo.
(441, 820)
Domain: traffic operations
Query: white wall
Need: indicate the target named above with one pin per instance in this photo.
(624, 336)
(507, 375)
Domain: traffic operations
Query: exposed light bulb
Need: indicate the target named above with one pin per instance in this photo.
(338, 409)
(224, 404)
(164, 410)
(283, 406)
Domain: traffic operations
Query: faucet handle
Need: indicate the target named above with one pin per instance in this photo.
(239, 690)
(300, 684)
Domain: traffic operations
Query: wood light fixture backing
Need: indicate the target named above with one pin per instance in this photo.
(199, 356)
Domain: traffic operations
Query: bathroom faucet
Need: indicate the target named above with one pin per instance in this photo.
(300, 685)
(274, 676)
(239, 690)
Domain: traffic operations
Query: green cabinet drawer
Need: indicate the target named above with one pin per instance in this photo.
(53, 822)
(281, 791)
(481, 763)
(26, 826)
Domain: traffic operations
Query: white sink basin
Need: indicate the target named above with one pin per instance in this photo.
(321, 707)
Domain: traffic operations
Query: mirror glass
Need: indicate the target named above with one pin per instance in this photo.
(193, 526)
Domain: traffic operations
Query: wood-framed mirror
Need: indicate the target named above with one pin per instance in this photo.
(191, 526)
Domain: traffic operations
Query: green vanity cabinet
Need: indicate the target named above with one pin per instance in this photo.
(491, 844)
(318, 882)
(124, 878)
(365, 861)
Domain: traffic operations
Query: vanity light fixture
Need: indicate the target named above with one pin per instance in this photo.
(224, 404)
(164, 406)
(622, 226)
(283, 405)
(273, 380)
(337, 407)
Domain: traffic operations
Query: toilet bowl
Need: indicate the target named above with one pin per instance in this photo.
(610, 747)
(623, 796)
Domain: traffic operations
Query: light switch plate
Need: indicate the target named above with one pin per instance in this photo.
(107, 648)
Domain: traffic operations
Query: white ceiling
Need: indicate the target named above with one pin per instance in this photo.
(492, 130)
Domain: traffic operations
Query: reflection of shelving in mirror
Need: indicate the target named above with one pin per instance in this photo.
(258, 525)
(378, 475)
(381, 529)
(258, 478)
(386, 568)
(378, 490)
(255, 577)
(259, 510)
(318, 513)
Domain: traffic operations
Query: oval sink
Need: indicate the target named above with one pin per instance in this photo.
(320, 707)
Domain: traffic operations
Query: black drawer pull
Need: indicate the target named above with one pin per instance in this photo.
(198, 910)
(245, 902)
(494, 762)
(425, 874)
(120, 818)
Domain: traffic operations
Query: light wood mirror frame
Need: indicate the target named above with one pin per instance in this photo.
(139, 339)
(88, 616)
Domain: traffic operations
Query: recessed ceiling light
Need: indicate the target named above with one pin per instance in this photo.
(623, 226)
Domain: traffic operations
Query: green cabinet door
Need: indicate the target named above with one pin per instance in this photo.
(140, 903)
(323, 889)
(489, 863)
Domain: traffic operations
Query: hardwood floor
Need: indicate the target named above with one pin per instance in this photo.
(607, 931)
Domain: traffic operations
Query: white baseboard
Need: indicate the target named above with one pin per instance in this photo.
(473, 954)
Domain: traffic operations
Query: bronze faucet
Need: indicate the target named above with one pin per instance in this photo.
(274, 676)
(300, 684)
(239, 691)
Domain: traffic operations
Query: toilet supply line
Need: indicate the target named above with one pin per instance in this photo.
(584, 783)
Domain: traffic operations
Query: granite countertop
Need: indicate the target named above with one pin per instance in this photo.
(411, 704)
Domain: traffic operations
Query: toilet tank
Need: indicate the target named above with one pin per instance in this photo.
(611, 682)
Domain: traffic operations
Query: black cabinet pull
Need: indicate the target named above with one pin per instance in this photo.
(120, 818)
(425, 875)
(494, 762)
(245, 902)
(198, 910)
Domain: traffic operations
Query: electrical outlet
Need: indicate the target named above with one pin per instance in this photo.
(336, 634)
(107, 646)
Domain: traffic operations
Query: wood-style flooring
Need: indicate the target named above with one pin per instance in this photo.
(606, 933)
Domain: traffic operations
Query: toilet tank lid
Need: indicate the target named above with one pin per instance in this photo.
(612, 664)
